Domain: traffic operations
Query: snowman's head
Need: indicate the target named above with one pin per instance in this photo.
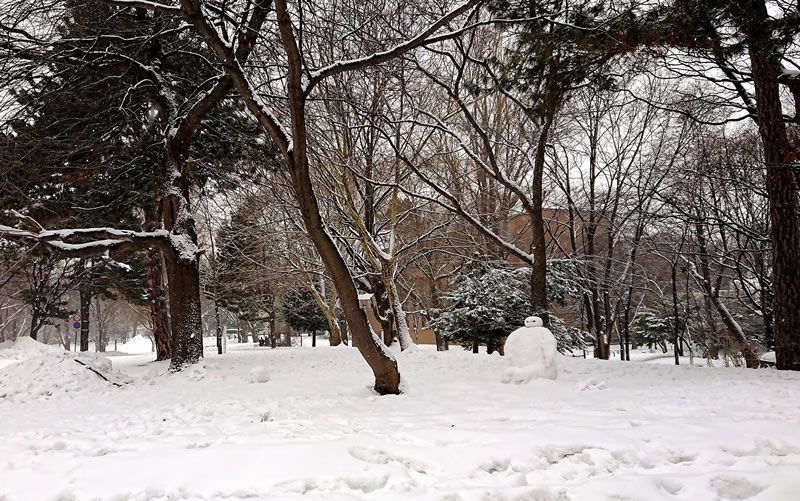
(533, 322)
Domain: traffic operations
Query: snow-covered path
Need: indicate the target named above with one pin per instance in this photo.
(315, 431)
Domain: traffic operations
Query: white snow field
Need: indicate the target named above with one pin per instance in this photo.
(303, 424)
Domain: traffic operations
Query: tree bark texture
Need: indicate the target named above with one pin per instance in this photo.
(85, 292)
(781, 187)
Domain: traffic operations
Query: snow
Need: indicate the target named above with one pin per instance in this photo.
(39, 371)
(259, 374)
(136, 345)
(532, 352)
(186, 250)
(604, 430)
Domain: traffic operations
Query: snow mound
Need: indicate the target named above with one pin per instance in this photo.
(259, 374)
(26, 347)
(137, 345)
(44, 371)
(532, 352)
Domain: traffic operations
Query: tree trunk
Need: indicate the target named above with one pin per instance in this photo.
(35, 324)
(383, 365)
(343, 331)
(63, 334)
(781, 187)
(387, 326)
(102, 340)
(314, 338)
(294, 148)
(183, 267)
(184, 307)
(336, 335)
(748, 351)
(403, 334)
(539, 303)
(676, 321)
(609, 322)
(441, 342)
(85, 291)
(155, 294)
(475, 340)
(219, 326)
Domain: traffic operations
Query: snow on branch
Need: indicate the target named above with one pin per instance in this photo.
(102, 240)
(379, 57)
(152, 6)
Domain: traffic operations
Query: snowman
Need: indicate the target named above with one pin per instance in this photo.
(532, 352)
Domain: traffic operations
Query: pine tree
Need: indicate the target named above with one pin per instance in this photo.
(302, 313)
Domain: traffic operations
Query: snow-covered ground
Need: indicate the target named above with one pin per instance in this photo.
(315, 431)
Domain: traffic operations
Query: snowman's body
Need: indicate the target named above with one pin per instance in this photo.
(532, 352)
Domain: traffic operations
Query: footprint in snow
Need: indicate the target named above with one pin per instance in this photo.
(735, 488)
(377, 456)
(590, 384)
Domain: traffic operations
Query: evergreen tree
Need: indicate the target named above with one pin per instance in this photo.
(489, 301)
(85, 145)
(652, 328)
(302, 313)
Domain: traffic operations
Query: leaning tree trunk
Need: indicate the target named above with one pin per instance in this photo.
(749, 351)
(398, 315)
(781, 188)
(750, 354)
(295, 151)
(383, 365)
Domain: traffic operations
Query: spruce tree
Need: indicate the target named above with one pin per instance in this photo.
(302, 313)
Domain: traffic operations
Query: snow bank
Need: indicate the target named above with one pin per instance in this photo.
(26, 347)
(42, 371)
(137, 345)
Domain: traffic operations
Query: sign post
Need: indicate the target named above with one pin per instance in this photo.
(76, 324)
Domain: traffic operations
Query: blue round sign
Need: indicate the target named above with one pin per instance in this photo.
(77, 325)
